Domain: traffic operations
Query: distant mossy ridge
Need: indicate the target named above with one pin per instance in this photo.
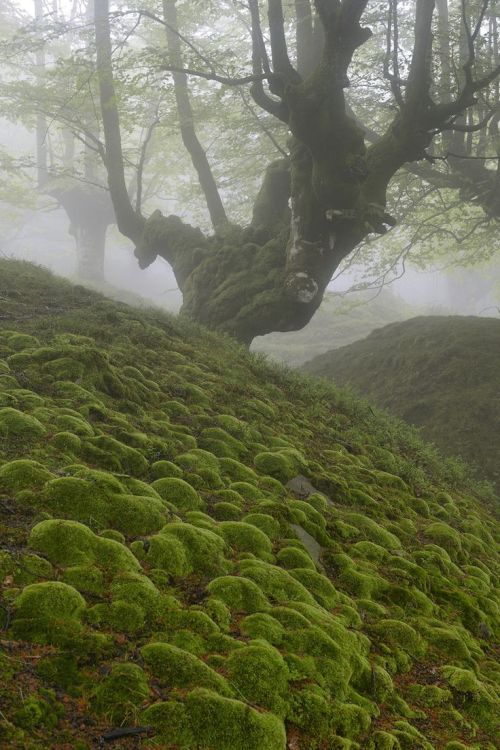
(224, 553)
(439, 373)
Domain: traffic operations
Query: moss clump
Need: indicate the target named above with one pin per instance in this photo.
(67, 442)
(206, 719)
(226, 512)
(260, 675)
(204, 549)
(48, 612)
(444, 536)
(97, 504)
(244, 537)
(111, 454)
(239, 593)
(179, 493)
(16, 426)
(401, 635)
(265, 523)
(23, 474)
(162, 469)
(292, 557)
(282, 465)
(276, 583)
(70, 543)
(119, 696)
(178, 668)
(167, 553)
(39, 711)
(263, 626)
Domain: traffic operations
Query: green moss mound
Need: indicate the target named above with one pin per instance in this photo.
(437, 373)
(224, 551)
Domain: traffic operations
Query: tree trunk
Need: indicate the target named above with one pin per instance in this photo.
(90, 241)
(90, 213)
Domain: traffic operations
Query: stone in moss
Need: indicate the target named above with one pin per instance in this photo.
(204, 549)
(178, 492)
(239, 594)
(264, 626)
(48, 612)
(17, 426)
(162, 469)
(23, 474)
(260, 675)
(120, 694)
(245, 537)
(206, 719)
(178, 668)
(265, 523)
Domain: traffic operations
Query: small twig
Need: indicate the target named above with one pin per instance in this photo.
(116, 734)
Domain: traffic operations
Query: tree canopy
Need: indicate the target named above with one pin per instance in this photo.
(351, 114)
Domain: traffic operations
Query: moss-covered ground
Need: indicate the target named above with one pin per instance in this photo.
(199, 550)
(440, 374)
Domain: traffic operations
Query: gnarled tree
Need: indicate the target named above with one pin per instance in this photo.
(330, 191)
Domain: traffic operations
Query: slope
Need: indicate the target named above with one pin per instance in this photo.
(441, 374)
(200, 550)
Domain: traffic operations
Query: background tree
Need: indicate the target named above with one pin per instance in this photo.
(272, 275)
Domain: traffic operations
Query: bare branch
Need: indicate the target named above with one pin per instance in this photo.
(142, 161)
(225, 80)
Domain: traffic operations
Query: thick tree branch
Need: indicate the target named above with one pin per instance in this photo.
(260, 62)
(304, 37)
(129, 222)
(209, 76)
(282, 66)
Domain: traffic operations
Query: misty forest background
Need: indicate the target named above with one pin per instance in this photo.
(441, 255)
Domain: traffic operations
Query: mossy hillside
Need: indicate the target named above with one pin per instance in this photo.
(440, 374)
(158, 568)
